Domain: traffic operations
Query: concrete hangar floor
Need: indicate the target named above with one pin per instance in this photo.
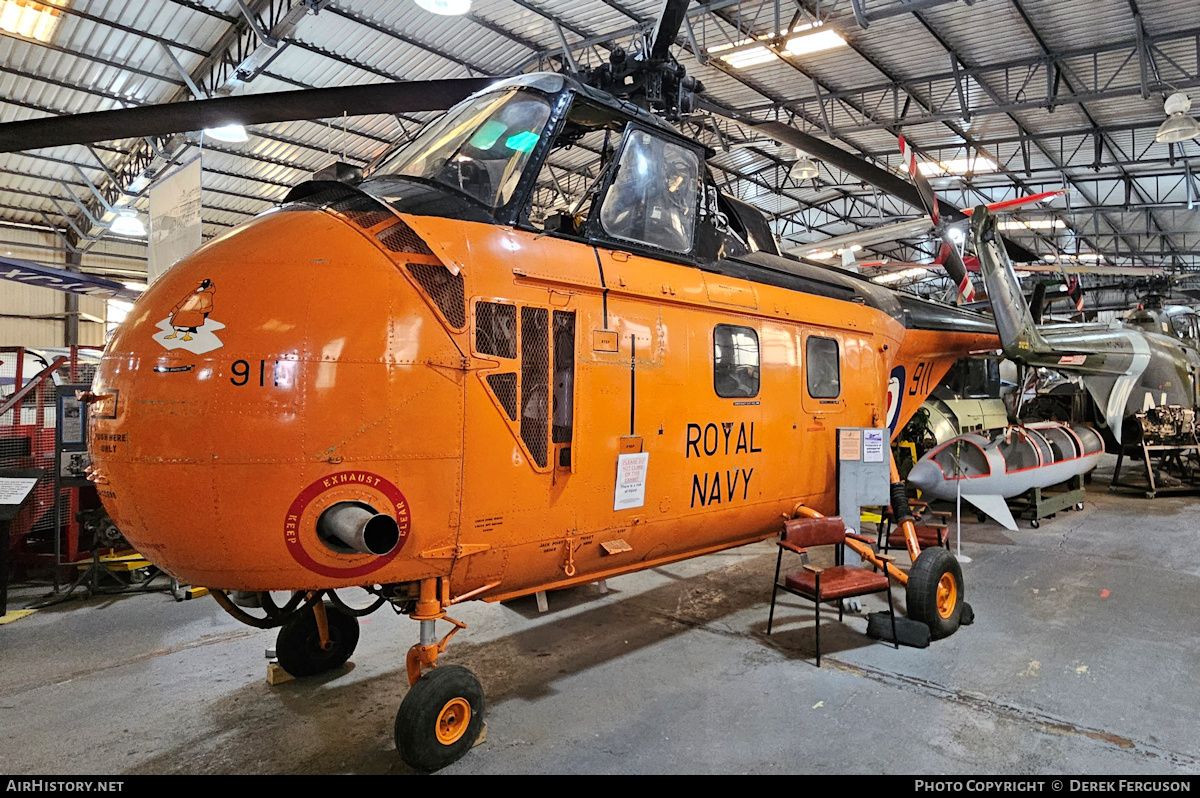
(1081, 660)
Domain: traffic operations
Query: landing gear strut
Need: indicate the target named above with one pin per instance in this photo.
(441, 716)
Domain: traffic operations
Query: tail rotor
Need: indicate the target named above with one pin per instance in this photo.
(952, 260)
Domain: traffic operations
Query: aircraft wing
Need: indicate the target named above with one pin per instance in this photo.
(23, 271)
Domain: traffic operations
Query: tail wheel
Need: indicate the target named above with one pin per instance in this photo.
(935, 592)
(298, 645)
(440, 718)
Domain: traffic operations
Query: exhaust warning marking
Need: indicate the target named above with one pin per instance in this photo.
(295, 513)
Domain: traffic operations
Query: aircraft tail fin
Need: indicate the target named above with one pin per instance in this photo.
(1019, 335)
(995, 507)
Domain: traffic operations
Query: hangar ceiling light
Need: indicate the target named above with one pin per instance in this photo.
(805, 168)
(903, 274)
(815, 42)
(29, 19)
(747, 52)
(1033, 224)
(127, 223)
(231, 134)
(1178, 126)
(957, 166)
(449, 8)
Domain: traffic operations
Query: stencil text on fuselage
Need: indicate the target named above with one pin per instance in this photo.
(713, 486)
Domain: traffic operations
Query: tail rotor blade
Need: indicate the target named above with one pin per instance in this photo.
(953, 258)
(924, 189)
(957, 270)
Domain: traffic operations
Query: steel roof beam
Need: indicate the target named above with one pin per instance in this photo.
(1019, 80)
(1070, 79)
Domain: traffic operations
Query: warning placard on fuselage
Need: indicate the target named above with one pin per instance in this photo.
(631, 480)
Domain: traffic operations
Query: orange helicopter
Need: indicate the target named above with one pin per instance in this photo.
(452, 378)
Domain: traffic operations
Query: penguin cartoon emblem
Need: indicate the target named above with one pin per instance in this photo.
(188, 326)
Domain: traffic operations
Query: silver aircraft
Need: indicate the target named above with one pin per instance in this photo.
(1126, 369)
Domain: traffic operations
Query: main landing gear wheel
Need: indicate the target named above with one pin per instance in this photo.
(298, 645)
(935, 592)
(440, 718)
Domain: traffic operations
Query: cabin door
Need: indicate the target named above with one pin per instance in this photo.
(824, 404)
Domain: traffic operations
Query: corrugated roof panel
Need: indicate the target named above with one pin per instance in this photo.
(1065, 28)
(483, 48)
(288, 152)
(1128, 110)
(587, 17)
(988, 32)
(903, 46)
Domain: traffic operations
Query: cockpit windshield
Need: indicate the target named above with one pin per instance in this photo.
(479, 148)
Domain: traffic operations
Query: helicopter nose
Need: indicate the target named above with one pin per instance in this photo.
(277, 411)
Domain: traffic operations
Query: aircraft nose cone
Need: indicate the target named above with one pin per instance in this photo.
(925, 475)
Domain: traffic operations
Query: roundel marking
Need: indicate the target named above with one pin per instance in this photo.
(895, 397)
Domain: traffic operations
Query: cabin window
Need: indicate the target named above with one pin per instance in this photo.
(824, 368)
(735, 361)
(653, 197)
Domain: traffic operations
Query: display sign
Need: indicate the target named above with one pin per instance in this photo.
(175, 224)
(872, 446)
(70, 437)
(631, 481)
(70, 415)
(849, 444)
(14, 491)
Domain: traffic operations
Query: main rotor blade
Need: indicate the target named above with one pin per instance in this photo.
(670, 20)
(852, 164)
(249, 109)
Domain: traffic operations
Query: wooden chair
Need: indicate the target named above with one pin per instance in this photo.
(930, 533)
(823, 585)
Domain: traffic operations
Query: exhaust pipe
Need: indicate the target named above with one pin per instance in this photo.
(356, 526)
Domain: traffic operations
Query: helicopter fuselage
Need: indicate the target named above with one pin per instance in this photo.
(533, 410)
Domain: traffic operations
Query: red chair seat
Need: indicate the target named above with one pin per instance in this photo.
(927, 537)
(840, 581)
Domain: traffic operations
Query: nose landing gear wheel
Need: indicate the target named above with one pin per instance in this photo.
(935, 592)
(440, 718)
(298, 645)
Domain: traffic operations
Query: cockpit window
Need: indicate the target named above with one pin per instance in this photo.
(1183, 325)
(653, 198)
(574, 169)
(479, 148)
